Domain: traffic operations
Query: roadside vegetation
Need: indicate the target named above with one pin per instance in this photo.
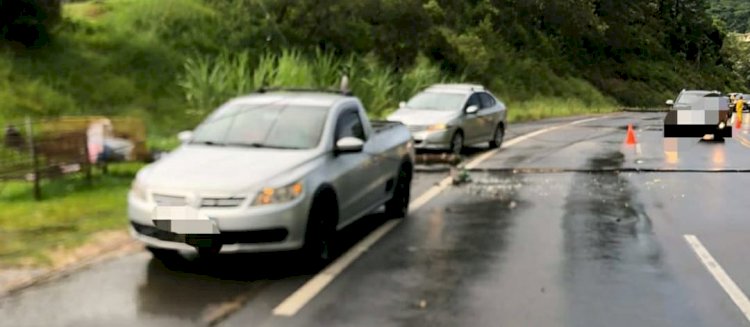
(71, 211)
(171, 62)
(734, 14)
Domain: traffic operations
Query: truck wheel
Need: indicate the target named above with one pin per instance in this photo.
(398, 205)
(457, 143)
(497, 137)
(319, 247)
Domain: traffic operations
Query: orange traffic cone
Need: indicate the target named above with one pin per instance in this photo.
(630, 139)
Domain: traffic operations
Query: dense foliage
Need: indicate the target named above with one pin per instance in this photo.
(737, 52)
(734, 13)
(636, 51)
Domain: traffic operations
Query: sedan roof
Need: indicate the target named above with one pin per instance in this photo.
(456, 87)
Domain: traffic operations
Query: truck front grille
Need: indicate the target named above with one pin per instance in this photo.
(169, 200)
(221, 202)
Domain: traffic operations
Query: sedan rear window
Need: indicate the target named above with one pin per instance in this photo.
(264, 126)
(692, 97)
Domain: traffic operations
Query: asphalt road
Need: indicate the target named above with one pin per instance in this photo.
(586, 231)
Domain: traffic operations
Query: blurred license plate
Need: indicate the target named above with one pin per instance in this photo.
(183, 220)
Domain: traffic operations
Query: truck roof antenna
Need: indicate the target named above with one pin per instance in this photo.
(344, 86)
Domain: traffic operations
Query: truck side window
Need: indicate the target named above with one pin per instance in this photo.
(349, 124)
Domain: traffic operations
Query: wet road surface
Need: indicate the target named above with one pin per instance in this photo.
(575, 237)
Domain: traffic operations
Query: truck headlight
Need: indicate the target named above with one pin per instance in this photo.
(139, 191)
(437, 127)
(278, 195)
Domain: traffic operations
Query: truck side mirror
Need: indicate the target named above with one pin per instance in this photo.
(349, 144)
(670, 102)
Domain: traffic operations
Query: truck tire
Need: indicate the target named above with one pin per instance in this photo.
(497, 137)
(398, 205)
(320, 235)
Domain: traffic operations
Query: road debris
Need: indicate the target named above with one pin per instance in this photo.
(435, 158)
(460, 175)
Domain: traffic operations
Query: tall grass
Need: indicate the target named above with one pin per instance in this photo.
(547, 107)
(420, 76)
(208, 81)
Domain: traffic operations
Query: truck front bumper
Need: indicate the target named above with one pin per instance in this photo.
(254, 229)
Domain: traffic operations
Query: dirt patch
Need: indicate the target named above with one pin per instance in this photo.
(101, 246)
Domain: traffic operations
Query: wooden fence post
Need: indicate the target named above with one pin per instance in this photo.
(34, 159)
(87, 158)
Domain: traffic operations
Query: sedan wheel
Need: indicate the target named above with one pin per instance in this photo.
(497, 137)
(457, 143)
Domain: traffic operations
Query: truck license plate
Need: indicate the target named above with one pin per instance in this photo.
(183, 220)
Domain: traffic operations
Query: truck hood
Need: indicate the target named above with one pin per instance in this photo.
(221, 169)
(417, 117)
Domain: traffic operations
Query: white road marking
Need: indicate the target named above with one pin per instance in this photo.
(484, 156)
(720, 275)
(429, 194)
(292, 304)
(304, 294)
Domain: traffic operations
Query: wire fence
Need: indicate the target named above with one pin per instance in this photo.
(32, 150)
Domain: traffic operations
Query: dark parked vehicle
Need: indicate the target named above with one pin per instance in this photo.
(697, 113)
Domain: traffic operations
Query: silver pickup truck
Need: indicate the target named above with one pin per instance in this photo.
(272, 171)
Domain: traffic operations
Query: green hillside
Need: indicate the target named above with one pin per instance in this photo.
(171, 61)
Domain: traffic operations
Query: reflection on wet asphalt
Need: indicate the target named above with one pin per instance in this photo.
(588, 247)
(613, 262)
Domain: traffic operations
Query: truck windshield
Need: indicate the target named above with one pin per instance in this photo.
(263, 126)
(437, 101)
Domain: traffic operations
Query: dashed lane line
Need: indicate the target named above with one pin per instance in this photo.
(721, 276)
